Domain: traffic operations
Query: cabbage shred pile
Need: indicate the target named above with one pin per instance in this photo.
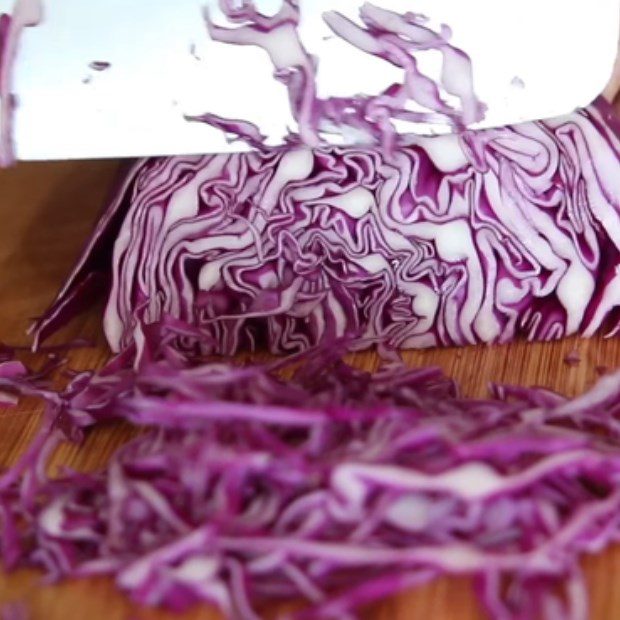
(334, 484)
(306, 478)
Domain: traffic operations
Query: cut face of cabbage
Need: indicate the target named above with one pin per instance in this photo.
(483, 237)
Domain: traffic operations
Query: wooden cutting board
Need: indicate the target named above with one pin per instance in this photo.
(46, 212)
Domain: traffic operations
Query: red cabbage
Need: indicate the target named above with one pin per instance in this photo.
(390, 36)
(335, 485)
(455, 240)
(239, 130)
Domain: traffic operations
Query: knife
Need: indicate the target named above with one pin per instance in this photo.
(117, 78)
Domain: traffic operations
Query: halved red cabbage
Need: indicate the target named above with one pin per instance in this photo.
(336, 485)
(455, 240)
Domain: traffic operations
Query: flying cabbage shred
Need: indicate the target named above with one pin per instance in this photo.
(335, 487)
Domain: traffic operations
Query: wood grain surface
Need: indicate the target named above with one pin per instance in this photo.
(46, 212)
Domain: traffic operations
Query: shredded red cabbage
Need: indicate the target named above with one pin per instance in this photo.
(384, 34)
(573, 358)
(335, 485)
(238, 130)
